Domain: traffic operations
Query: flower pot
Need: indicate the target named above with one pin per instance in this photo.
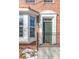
(22, 58)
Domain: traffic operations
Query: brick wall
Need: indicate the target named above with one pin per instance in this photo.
(40, 6)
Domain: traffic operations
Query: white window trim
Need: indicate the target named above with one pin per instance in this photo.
(24, 39)
(52, 15)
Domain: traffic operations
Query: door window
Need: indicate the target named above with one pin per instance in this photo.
(47, 31)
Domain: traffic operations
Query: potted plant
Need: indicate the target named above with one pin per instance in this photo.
(22, 55)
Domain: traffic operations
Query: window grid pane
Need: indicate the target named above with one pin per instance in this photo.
(47, 0)
(32, 26)
(20, 27)
(32, 21)
(30, 0)
(32, 32)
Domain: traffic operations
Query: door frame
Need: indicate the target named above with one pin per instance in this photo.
(52, 15)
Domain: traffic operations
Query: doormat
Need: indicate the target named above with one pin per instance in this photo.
(39, 29)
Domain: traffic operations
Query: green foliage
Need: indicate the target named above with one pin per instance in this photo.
(21, 54)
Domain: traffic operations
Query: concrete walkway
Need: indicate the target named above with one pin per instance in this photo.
(48, 53)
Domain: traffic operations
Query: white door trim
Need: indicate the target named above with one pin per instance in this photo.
(52, 15)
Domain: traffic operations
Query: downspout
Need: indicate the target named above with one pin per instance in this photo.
(38, 31)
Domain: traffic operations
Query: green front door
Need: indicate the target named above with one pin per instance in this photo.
(47, 32)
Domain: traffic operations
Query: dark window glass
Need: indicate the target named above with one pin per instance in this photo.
(32, 26)
(32, 32)
(32, 21)
(47, 0)
(21, 21)
(30, 0)
(20, 27)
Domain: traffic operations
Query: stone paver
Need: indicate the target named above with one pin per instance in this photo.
(49, 53)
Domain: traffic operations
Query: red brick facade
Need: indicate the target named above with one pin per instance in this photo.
(39, 6)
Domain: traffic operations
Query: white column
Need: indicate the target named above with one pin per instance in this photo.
(41, 27)
(25, 28)
(54, 29)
